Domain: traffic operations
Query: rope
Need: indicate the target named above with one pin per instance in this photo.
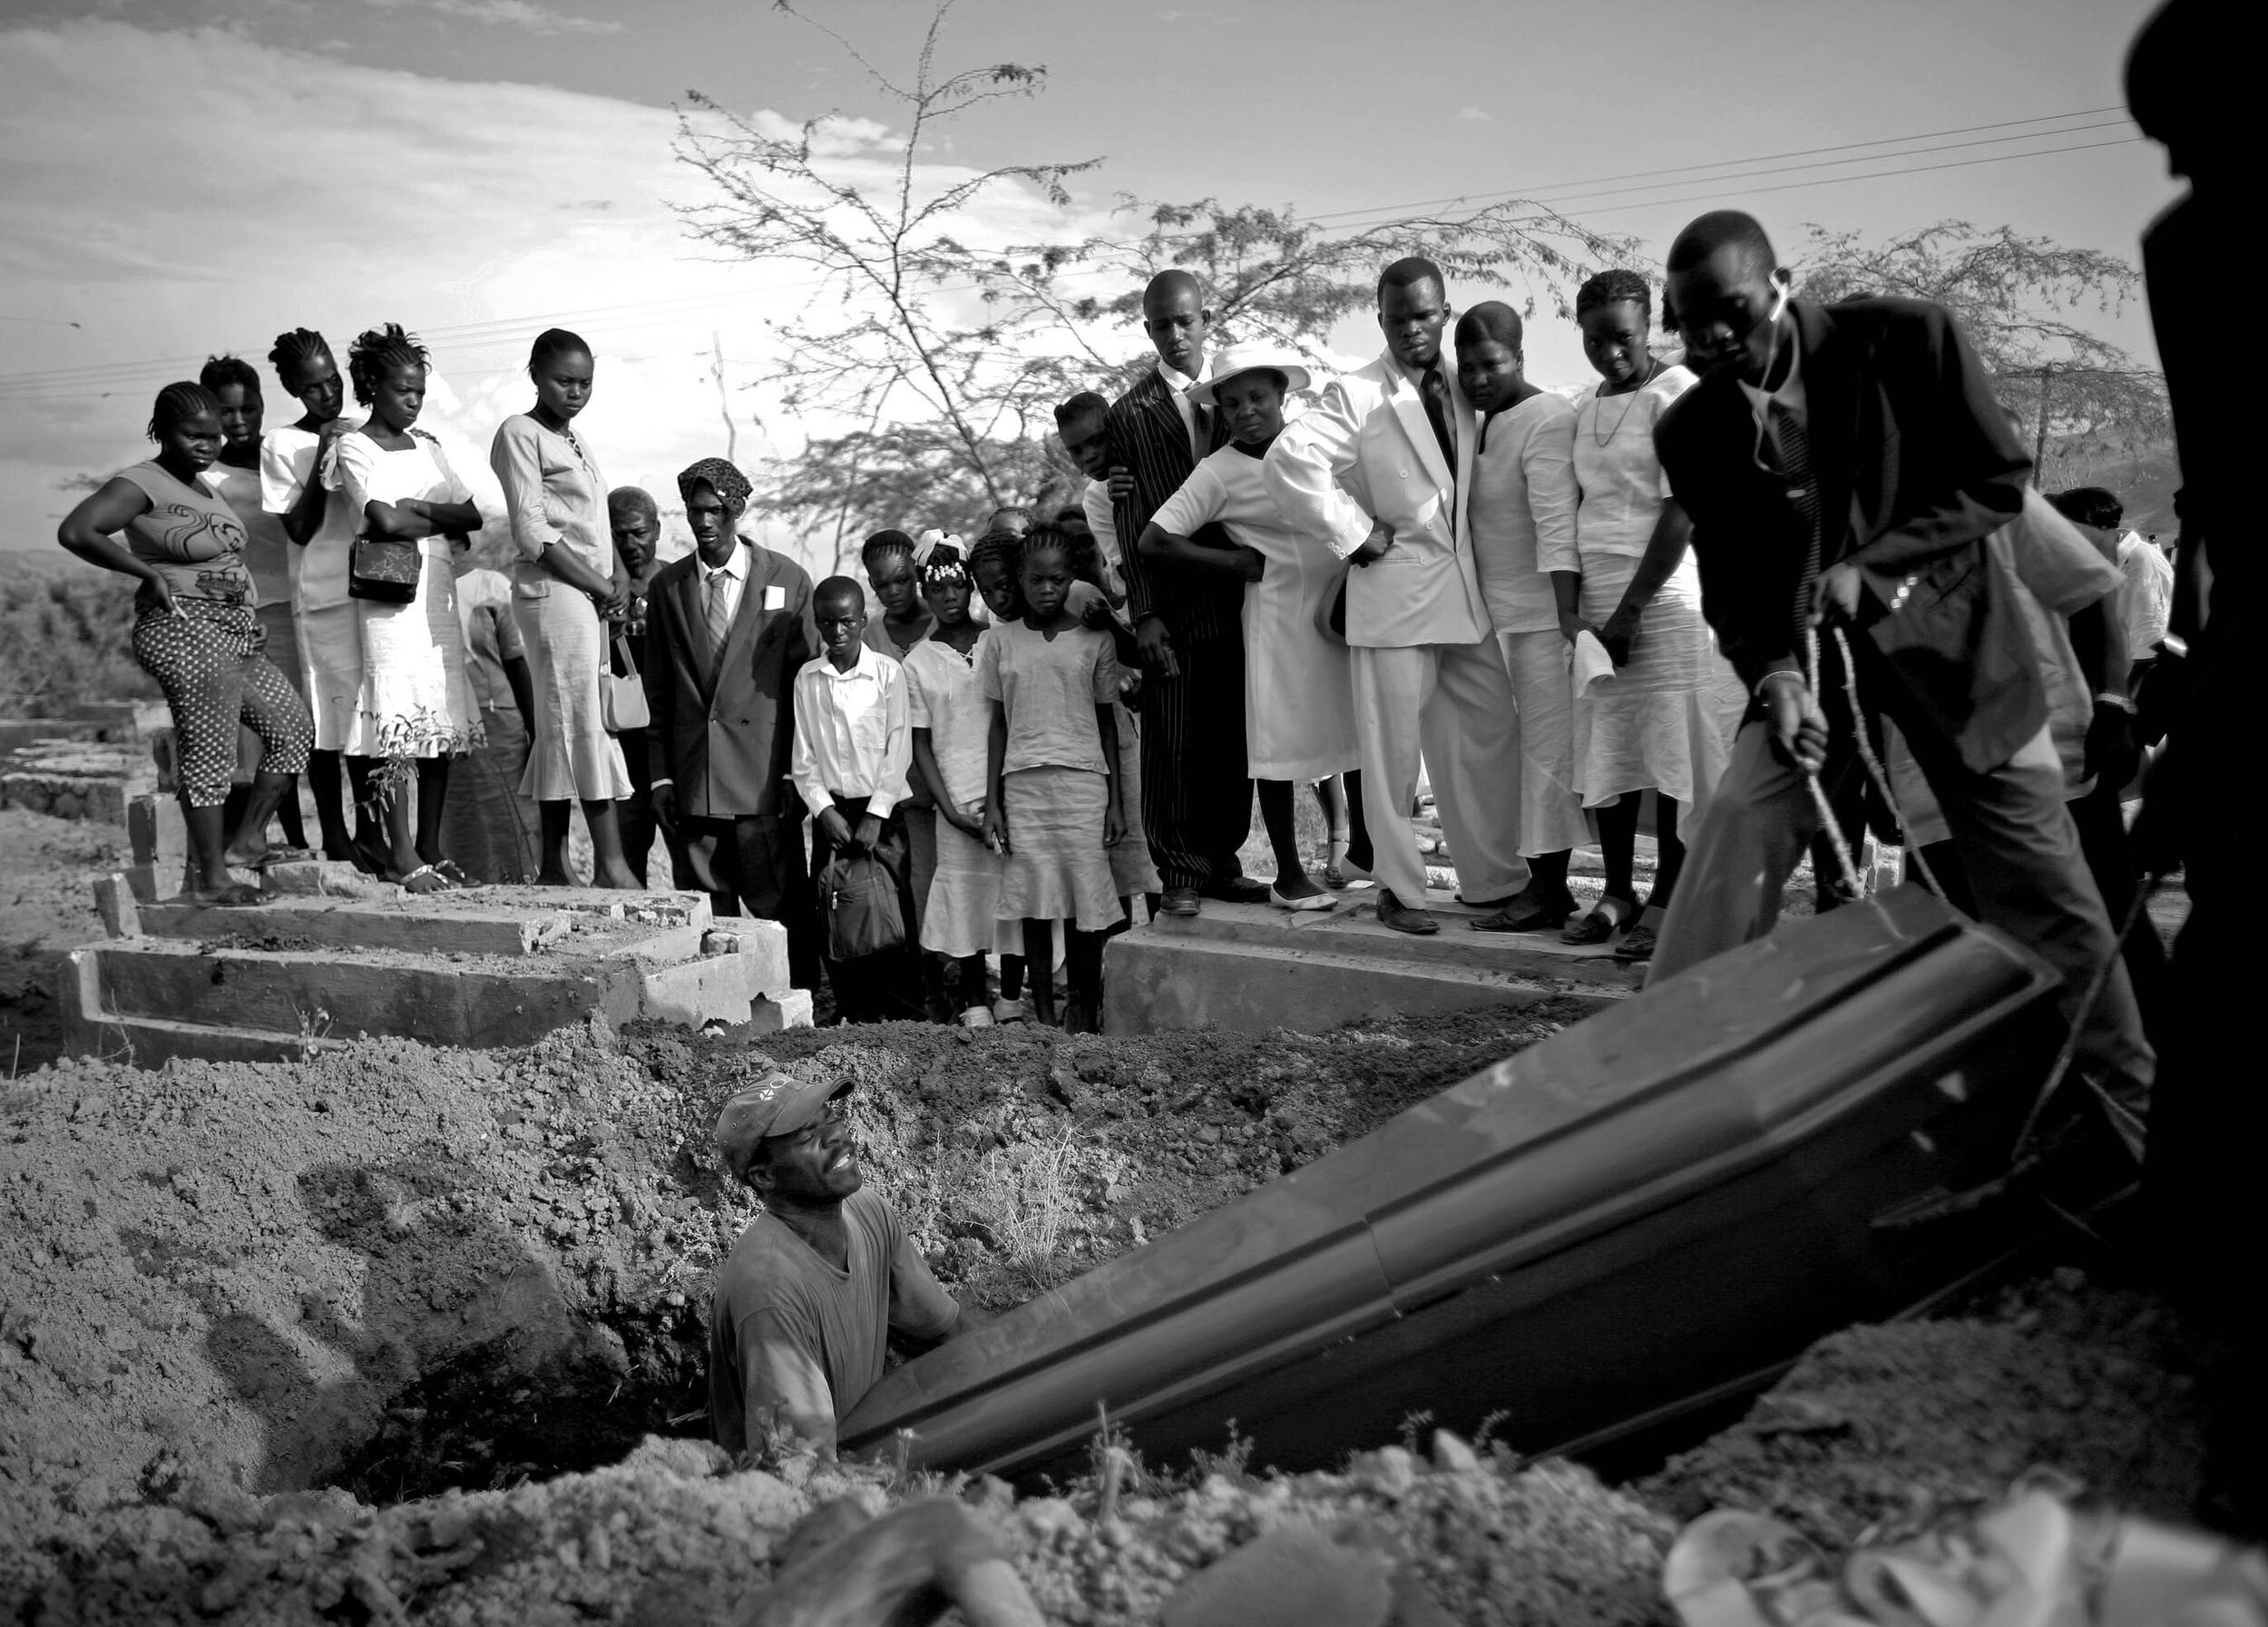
(1874, 769)
(1827, 821)
(2122, 1118)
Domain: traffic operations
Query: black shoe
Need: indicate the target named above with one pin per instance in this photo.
(1393, 913)
(1524, 912)
(1239, 889)
(1179, 901)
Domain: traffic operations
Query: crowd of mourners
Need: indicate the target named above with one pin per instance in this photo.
(1796, 585)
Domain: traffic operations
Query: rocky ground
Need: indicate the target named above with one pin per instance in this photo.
(408, 1334)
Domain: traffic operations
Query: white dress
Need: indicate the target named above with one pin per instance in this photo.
(330, 631)
(942, 695)
(1658, 720)
(1299, 686)
(416, 697)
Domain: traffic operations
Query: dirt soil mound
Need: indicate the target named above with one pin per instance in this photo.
(397, 1270)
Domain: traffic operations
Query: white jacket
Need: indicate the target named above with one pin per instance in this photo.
(1371, 444)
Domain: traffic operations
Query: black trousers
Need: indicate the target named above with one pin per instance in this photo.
(1197, 793)
(756, 865)
(874, 988)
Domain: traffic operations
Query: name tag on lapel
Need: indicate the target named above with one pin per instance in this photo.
(774, 597)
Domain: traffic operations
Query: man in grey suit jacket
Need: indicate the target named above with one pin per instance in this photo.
(1389, 440)
(726, 630)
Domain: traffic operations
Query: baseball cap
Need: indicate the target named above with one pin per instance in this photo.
(776, 1105)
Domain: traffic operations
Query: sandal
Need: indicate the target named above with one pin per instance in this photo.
(1598, 924)
(452, 873)
(437, 882)
(1637, 943)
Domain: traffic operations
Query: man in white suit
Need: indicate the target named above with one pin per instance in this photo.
(1427, 675)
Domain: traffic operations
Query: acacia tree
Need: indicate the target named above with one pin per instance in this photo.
(1270, 274)
(885, 250)
(947, 359)
(2017, 298)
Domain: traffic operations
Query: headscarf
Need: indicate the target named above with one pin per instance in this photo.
(719, 477)
(930, 541)
(944, 567)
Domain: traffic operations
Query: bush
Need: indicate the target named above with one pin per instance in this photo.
(64, 637)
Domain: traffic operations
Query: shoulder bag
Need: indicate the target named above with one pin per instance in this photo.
(622, 695)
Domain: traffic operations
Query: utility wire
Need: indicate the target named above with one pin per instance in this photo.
(94, 380)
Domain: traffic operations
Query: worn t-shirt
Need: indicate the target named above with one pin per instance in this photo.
(794, 1340)
(1050, 688)
(192, 536)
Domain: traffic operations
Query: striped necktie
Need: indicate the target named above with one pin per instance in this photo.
(1792, 446)
(719, 615)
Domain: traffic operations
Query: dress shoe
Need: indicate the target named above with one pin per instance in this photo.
(1393, 913)
(1239, 889)
(1524, 912)
(1179, 901)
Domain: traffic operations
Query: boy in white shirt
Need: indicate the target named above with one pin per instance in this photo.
(853, 748)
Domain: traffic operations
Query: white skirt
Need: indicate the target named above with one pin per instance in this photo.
(1658, 720)
(417, 698)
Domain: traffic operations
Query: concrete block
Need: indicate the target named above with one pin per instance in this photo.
(763, 943)
(443, 1002)
(1253, 969)
(115, 901)
(437, 924)
(791, 1010)
(711, 988)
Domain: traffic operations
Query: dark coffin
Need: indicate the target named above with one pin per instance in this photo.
(1646, 1212)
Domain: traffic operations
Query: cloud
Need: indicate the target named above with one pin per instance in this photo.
(506, 14)
(1475, 115)
(268, 190)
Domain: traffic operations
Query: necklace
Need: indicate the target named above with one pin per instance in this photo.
(1635, 390)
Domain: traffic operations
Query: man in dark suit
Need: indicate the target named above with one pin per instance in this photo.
(726, 630)
(1842, 465)
(1197, 788)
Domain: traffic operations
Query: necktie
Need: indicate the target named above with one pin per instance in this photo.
(718, 615)
(1200, 429)
(1792, 446)
(1435, 390)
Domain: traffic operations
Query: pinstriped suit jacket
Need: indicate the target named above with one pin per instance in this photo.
(1144, 432)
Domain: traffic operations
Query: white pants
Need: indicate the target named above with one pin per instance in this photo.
(1454, 703)
(1551, 805)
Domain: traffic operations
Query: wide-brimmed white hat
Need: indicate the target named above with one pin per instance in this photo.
(1252, 355)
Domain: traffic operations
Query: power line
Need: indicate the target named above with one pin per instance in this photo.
(95, 380)
(1923, 135)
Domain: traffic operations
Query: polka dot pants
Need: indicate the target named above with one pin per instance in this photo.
(203, 661)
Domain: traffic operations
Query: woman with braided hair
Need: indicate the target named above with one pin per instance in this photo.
(268, 555)
(417, 704)
(194, 633)
(328, 656)
(569, 590)
(1631, 582)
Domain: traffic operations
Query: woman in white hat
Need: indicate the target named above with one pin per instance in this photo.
(1299, 695)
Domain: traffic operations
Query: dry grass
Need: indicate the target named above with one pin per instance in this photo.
(64, 637)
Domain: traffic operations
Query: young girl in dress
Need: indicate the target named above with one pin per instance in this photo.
(1653, 723)
(416, 703)
(944, 705)
(1053, 806)
(315, 518)
(1132, 870)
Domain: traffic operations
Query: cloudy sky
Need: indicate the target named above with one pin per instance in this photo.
(188, 176)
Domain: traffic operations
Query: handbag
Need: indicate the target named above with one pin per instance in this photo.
(859, 898)
(623, 696)
(383, 569)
